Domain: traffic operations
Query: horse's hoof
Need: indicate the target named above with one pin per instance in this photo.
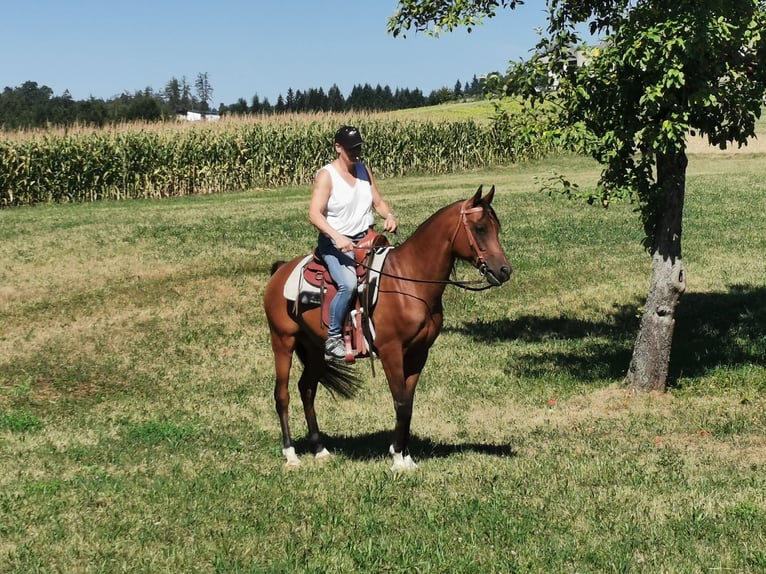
(403, 463)
(292, 459)
(323, 455)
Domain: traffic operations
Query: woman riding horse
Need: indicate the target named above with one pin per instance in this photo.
(407, 317)
(341, 206)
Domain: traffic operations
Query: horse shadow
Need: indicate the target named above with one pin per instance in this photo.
(713, 330)
(374, 446)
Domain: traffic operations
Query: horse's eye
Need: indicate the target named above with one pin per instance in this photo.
(480, 228)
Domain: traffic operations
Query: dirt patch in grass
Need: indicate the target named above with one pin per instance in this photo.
(699, 146)
(655, 420)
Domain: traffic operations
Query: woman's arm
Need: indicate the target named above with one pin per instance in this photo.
(381, 207)
(320, 196)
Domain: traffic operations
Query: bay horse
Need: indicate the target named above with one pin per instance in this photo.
(407, 318)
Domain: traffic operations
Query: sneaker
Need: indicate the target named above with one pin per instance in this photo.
(334, 349)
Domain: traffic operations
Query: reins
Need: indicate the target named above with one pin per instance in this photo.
(462, 284)
(466, 285)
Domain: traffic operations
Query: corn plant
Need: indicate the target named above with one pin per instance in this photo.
(164, 160)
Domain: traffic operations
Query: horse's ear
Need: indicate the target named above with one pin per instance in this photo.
(477, 196)
(490, 195)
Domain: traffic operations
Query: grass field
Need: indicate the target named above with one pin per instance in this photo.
(138, 433)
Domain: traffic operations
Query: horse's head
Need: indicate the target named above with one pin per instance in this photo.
(479, 243)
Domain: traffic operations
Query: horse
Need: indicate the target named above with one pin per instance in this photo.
(407, 318)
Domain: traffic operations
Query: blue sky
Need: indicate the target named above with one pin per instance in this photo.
(102, 48)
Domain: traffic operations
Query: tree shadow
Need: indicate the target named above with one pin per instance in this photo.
(712, 330)
(719, 330)
(595, 350)
(371, 446)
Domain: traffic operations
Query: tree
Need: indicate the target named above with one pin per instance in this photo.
(92, 112)
(140, 106)
(187, 100)
(316, 100)
(61, 109)
(336, 102)
(664, 69)
(290, 100)
(173, 94)
(204, 90)
(25, 106)
(441, 96)
(476, 88)
(255, 105)
(240, 108)
(280, 107)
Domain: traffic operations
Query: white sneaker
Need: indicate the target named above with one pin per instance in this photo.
(334, 349)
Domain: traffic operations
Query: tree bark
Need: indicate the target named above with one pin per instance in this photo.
(648, 370)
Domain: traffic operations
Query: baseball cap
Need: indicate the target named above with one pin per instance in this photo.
(348, 137)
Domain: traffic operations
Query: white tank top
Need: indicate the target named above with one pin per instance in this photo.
(349, 209)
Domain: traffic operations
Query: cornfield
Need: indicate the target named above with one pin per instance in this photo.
(154, 161)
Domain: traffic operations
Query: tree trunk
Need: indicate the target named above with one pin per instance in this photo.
(649, 365)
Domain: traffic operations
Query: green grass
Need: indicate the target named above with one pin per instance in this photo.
(138, 433)
(471, 109)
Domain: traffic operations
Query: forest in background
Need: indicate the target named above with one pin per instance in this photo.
(32, 105)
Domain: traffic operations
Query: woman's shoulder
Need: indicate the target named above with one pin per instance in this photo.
(327, 169)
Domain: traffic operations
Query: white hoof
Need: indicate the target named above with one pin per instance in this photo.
(323, 455)
(401, 462)
(292, 459)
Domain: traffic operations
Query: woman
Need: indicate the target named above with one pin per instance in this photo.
(341, 208)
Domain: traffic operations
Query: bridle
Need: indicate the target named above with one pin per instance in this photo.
(481, 261)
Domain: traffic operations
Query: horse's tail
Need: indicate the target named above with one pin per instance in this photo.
(341, 378)
(338, 377)
(276, 265)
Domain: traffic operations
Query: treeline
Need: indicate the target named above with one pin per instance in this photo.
(33, 106)
(363, 98)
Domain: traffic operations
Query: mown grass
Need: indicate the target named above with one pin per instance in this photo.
(137, 428)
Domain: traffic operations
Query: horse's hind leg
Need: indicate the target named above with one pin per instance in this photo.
(307, 384)
(283, 358)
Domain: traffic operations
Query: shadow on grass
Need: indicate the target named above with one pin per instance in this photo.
(370, 446)
(719, 330)
(585, 350)
(713, 330)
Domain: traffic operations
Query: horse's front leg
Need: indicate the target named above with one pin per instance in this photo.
(402, 387)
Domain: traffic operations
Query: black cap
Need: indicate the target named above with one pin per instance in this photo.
(348, 137)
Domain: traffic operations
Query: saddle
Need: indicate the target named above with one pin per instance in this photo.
(358, 332)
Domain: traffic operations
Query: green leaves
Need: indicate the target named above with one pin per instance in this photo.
(663, 68)
(434, 16)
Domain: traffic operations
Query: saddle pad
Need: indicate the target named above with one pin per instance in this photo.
(379, 255)
(296, 285)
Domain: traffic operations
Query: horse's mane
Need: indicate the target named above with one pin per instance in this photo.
(487, 208)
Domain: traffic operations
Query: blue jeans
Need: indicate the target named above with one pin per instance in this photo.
(342, 269)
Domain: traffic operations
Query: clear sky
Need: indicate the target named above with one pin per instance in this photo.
(102, 48)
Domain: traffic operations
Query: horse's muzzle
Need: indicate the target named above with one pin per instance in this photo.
(499, 276)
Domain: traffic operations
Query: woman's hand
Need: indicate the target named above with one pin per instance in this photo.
(390, 223)
(343, 244)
